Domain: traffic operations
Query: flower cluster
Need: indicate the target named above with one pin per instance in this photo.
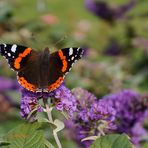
(93, 118)
(28, 105)
(122, 112)
(61, 98)
(131, 112)
(64, 100)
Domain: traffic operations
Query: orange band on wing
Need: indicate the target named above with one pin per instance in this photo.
(26, 85)
(21, 55)
(56, 84)
(63, 58)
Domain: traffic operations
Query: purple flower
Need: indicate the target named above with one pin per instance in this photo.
(61, 98)
(131, 112)
(106, 12)
(100, 9)
(93, 117)
(114, 48)
(29, 104)
(64, 100)
(8, 84)
(123, 112)
(100, 110)
(138, 134)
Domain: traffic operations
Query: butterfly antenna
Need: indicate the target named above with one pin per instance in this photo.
(33, 38)
(60, 40)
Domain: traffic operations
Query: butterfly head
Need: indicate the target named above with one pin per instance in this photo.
(46, 51)
(44, 57)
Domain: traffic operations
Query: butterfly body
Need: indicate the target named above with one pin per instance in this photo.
(40, 71)
(44, 69)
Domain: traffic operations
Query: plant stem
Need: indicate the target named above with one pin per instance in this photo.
(49, 110)
(57, 139)
(49, 114)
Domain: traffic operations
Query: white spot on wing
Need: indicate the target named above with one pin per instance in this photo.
(70, 51)
(72, 57)
(13, 48)
(9, 54)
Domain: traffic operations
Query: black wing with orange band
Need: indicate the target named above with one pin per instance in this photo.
(61, 63)
(16, 55)
(18, 59)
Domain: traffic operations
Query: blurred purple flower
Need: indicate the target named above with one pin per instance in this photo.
(61, 98)
(92, 118)
(131, 112)
(123, 112)
(8, 84)
(84, 98)
(121, 10)
(114, 48)
(106, 12)
(138, 134)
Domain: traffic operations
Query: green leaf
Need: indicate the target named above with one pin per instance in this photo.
(112, 141)
(44, 120)
(25, 136)
(41, 119)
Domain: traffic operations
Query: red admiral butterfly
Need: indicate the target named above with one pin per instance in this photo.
(40, 71)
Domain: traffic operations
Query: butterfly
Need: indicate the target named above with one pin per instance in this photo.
(40, 71)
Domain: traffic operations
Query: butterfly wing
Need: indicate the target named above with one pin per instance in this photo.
(24, 60)
(28, 76)
(61, 63)
(16, 55)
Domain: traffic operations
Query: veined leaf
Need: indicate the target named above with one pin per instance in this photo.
(25, 136)
(113, 141)
(44, 120)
